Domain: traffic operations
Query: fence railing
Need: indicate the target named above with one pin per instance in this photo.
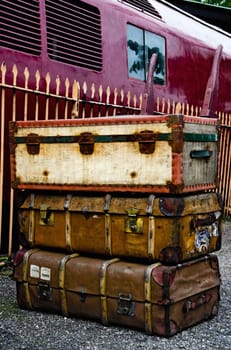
(31, 98)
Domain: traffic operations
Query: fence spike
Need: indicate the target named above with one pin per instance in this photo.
(187, 109)
(48, 81)
(173, 107)
(75, 96)
(163, 105)
(37, 79)
(3, 70)
(192, 110)
(100, 93)
(67, 86)
(122, 95)
(134, 100)
(57, 81)
(15, 74)
(182, 108)
(92, 91)
(157, 104)
(129, 98)
(168, 106)
(108, 93)
(26, 77)
(115, 100)
(84, 87)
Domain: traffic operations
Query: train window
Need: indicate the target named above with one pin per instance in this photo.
(74, 33)
(141, 45)
(20, 25)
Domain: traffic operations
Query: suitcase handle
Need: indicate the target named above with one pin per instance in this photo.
(33, 144)
(201, 154)
(86, 143)
(191, 305)
(147, 142)
(208, 221)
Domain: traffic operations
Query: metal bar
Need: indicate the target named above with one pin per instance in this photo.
(37, 79)
(35, 92)
(116, 138)
(3, 95)
(15, 74)
(67, 86)
(57, 82)
(26, 75)
(48, 80)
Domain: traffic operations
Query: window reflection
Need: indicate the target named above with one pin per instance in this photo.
(141, 45)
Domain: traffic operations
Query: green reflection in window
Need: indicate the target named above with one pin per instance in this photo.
(141, 45)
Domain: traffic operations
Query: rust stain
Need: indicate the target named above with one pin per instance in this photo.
(133, 174)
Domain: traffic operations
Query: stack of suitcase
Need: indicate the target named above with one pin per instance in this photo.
(119, 219)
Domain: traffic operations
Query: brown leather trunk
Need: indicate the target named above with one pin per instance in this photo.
(162, 228)
(156, 298)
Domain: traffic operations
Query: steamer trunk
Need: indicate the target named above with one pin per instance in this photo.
(161, 154)
(167, 229)
(156, 298)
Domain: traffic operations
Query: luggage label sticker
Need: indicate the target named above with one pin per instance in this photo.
(203, 236)
(202, 240)
(203, 231)
(40, 272)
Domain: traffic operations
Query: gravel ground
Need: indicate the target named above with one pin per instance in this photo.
(21, 329)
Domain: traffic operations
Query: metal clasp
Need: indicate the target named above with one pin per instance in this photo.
(147, 142)
(33, 144)
(46, 215)
(44, 292)
(82, 295)
(133, 224)
(125, 305)
(67, 201)
(86, 143)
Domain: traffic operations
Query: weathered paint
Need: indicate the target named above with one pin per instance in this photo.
(115, 159)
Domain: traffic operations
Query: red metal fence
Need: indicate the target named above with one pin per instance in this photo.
(21, 102)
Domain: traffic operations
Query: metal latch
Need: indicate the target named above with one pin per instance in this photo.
(125, 305)
(150, 204)
(82, 295)
(67, 201)
(33, 144)
(86, 143)
(107, 202)
(46, 215)
(147, 142)
(133, 224)
(44, 292)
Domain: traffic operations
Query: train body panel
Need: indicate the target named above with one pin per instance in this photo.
(186, 63)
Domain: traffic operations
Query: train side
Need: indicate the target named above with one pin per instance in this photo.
(115, 38)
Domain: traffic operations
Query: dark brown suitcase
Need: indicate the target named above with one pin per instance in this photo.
(159, 299)
(166, 229)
